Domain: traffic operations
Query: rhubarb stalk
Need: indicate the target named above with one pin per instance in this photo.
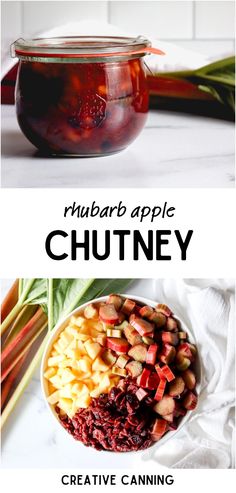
(17, 308)
(23, 340)
(9, 301)
(21, 320)
(10, 380)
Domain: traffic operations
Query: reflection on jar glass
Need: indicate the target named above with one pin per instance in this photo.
(80, 101)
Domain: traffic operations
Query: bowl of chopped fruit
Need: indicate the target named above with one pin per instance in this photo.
(121, 373)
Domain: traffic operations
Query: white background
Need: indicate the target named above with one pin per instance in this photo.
(29, 216)
(206, 26)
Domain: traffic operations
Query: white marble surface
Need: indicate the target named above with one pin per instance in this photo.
(174, 150)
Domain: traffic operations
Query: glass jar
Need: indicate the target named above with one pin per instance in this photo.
(81, 96)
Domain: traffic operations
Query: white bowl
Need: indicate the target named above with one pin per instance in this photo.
(60, 327)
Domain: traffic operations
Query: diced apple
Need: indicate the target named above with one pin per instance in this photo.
(50, 372)
(93, 349)
(91, 311)
(164, 309)
(189, 379)
(58, 348)
(67, 376)
(95, 392)
(182, 335)
(176, 387)
(56, 359)
(85, 364)
(78, 321)
(134, 368)
(108, 314)
(138, 352)
(151, 354)
(99, 365)
(160, 390)
(119, 371)
(102, 339)
(104, 384)
(122, 361)
(54, 398)
(132, 335)
(65, 405)
(165, 406)
(190, 401)
(119, 345)
(128, 306)
(66, 391)
(83, 401)
(56, 381)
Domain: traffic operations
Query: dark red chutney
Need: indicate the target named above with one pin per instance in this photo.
(83, 109)
(116, 421)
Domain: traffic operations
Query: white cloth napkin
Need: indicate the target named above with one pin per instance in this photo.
(207, 439)
(176, 57)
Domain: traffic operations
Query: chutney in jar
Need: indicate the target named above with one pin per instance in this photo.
(81, 96)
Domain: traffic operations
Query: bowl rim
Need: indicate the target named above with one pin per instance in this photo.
(59, 327)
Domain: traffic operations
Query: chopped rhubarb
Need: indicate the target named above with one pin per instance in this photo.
(159, 428)
(164, 309)
(172, 426)
(151, 354)
(121, 319)
(190, 401)
(179, 410)
(166, 371)
(171, 338)
(182, 363)
(142, 379)
(122, 361)
(167, 354)
(153, 381)
(165, 406)
(146, 311)
(116, 300)
(142, 326)
(147, 340)
(138, 352)
(182, 335)
(159, 372)
(176, 387)
(160, 390)
(185, 350)
(119, 345)
(132, 335)
(171, 324)
(141, 394)
(108, 314)
(134, 368)
(128, 306)
(114, 333)
(189, 379)
(158, 318)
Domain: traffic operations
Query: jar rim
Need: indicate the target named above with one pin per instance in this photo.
(80, 46)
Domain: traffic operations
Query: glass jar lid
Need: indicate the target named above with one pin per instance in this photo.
(85, 48)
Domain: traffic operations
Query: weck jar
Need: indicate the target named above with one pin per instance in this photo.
(81, 96)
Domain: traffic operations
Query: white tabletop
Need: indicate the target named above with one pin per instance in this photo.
(174, 150)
